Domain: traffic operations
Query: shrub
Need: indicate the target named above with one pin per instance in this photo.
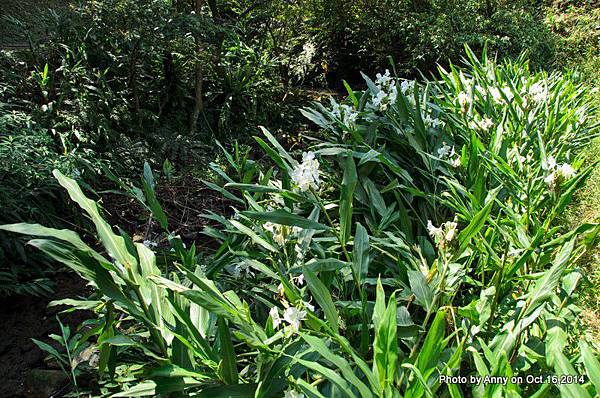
(28, 154)
(415, 241)
(359, 36)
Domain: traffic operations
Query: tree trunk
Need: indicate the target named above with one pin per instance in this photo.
(170, 82)
(199, 75)
(132, 79)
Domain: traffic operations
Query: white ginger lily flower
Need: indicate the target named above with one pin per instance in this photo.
(451, 228)
(407, 87)
(383, 80)
(550, 179)
(150, 244)
(294, 317)
(549, 163)
(309, 306)
(455, 162)
(274, 314)
(293, 394)
(435, 232)
(445, 151)
(566, 171)
(464, 101)
(445, 232)
(432, 122)
(538, 92)
(483, 124)
(306, 174)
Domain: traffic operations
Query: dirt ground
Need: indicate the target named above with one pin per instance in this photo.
(26, 317)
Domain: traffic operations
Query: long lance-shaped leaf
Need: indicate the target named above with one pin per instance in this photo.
(155, 296)
(60, 234)
(150, 193)
(476, 224)
(432, 346)
(385, 346)
(282, 152)
(253, 235)
(341, 363)
(266, 189)
(592, 365)
(114, 244)
(421, 290)
(233, 391)
(349, 182)
(89, 269)
(547, 284)
(164, 385)
(330, 375)
(322, 296)
(360, 253)
(228, 367)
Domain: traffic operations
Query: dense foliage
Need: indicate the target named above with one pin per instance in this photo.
(415, 240)
(114, 83)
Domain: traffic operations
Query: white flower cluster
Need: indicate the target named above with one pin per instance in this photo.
(556, 173)
(464, 101)
(465, 97)
(538, 92)
(444, 233)
(388, 92)
(407, 87)
(306, 175)
(448, 152)
(344, 113)
(481, 124)
(432, 122)
(292, 316)
(293, 394)
(498, 97)
(280, 232)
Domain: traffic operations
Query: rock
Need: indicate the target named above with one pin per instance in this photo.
(42, 383)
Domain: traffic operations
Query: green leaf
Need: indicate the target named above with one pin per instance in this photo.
(228, 366)
(153, 388)
(114, 244)
(222, 191)
(385, 346)
(150, 193)
(421, 289)
(329, 374)
(360, 253)
(349, 182)
(318, 344)
(244, 229)
(433, 344)
(280, 150)
(322, 296)
(547, 284)
(60, 234)
(266, 189)
(476, 224)
(592, 365)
